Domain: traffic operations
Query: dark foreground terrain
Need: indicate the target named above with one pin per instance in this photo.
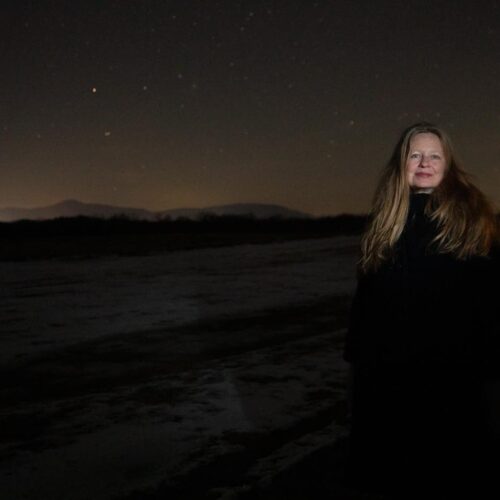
(209, 374)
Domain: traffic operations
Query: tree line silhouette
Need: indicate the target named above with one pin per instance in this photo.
(86, 237)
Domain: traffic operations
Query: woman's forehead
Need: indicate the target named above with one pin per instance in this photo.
(425, 139)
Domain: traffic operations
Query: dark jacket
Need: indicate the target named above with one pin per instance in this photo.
(421, 340)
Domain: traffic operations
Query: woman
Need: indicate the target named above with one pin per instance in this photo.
(421, 334)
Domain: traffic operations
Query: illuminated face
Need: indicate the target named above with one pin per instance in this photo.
(426, 162)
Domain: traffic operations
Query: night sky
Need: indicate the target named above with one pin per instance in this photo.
(165, 104)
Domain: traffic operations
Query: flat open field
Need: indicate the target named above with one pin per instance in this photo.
(209, 373)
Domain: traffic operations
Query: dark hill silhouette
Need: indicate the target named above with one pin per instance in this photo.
(75, 208)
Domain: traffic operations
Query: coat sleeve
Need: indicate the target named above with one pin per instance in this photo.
(355, 325)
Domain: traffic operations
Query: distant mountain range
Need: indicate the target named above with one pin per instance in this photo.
(74, 208)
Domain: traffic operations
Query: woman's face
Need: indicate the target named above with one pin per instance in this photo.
(426, 162)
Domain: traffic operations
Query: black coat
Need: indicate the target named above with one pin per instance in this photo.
(422, 341)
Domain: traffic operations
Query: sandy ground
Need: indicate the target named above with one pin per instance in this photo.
(198, 374)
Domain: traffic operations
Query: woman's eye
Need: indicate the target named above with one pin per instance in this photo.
(435, 157)
(415, 156)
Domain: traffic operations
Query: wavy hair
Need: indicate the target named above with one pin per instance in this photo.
(465, 219)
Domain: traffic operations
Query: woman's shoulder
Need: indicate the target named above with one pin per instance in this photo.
(490, 261)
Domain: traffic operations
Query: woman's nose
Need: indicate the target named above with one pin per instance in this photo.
(425, 160)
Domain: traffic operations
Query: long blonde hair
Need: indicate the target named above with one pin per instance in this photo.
(464, 217)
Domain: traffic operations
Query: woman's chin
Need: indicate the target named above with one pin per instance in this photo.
(423, 184)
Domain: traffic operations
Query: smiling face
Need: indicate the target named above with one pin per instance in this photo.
(426, 163)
